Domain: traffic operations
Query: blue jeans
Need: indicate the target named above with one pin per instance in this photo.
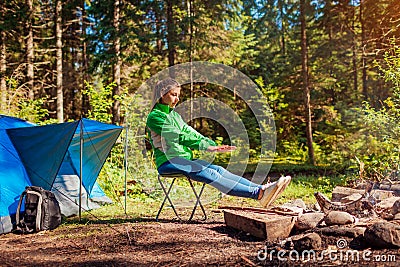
(214, 175)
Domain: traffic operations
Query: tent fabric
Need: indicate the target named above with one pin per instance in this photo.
(39, 155)
(10, 166)
(97, 144)
(50, 155)
(7, 122)
(66, 191)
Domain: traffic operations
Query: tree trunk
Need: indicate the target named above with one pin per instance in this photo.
(3, 69)
(29, 51)
(171, 35)
(282, 31)
(117, 65)
(190, 29)
(159, 31)
(306, 88)
(59, 58)
(354, 53)
(331, 71)
(84, 108)
(363, 55)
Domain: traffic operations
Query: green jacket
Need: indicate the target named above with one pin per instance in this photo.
(171, 137)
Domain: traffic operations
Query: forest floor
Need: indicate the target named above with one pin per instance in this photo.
(146, 242)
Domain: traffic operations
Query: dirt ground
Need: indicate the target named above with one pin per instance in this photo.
(164, 243)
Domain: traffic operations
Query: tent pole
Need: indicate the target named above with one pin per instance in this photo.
(126, 164)
(80, 168)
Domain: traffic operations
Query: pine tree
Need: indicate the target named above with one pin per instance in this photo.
(59, 61)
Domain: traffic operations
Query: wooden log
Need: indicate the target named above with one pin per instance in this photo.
(269, 226)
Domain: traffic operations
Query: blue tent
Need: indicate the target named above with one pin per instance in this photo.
(39, 155)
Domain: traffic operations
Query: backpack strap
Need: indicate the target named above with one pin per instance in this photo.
(39, 209)
(19, 206)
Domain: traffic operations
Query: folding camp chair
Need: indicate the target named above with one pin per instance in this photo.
(167, 191)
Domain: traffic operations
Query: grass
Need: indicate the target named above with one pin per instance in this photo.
(304, 187)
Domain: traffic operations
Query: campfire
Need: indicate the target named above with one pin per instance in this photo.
(368, 217)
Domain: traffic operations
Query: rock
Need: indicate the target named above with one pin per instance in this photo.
(396, 207)
(308, 221)
(386, 216)
(350, 198)
(387, 203)
(289, 208)
(340, 230)
(383, 235)
(306, 242)
(297, 206)
(395, 187)
(339, 218)
(358, 243)
(362, 185)
(382, 194)
(299, 203)
(340, 192)
(384, 187)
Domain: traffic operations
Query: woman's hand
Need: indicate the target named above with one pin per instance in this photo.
(222, 148)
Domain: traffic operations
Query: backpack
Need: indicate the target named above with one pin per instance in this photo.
(42, 211)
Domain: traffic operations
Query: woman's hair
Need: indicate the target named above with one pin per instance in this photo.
(162, 87)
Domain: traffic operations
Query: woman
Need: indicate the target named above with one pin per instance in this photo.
(173, 140)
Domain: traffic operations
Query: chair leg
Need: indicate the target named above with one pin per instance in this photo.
(198, 202)
(166, 192)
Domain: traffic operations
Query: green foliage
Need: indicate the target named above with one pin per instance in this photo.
(18, 104)
(33, 111)
(100, 100)
(379, 154)
(391, 70)
(112, 176)
(293, 151)
(378, 150)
